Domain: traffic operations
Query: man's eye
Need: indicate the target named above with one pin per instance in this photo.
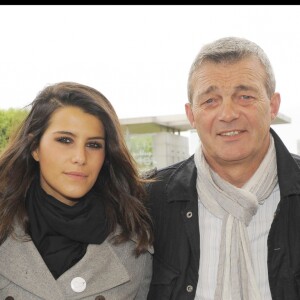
(64, 140)
(245, 97)
(211, 100)
(246, 100)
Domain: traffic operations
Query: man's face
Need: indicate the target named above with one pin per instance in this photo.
(231, 111)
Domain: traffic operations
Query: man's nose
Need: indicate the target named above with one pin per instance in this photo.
(228, 111)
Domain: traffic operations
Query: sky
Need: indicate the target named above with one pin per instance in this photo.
(139, 56)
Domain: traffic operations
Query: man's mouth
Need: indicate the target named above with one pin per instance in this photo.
(230, 133)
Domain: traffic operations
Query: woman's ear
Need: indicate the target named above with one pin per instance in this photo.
(35, 154)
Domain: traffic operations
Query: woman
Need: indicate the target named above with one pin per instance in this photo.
(73, 224)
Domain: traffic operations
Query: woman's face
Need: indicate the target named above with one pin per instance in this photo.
(71, 153)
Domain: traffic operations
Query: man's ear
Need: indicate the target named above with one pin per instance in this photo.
(189, 114)
(275, 104)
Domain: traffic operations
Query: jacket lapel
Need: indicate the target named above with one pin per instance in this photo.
(21, 263)
(101, 269)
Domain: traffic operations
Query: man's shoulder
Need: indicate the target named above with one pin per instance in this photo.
(166, 171)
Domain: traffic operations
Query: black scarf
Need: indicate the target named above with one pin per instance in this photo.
(61, 232)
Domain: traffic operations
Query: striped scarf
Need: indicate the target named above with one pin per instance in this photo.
(236, 207)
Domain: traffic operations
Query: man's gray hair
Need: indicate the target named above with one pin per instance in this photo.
(231, 50)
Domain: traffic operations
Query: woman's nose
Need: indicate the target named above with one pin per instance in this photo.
(79, 156)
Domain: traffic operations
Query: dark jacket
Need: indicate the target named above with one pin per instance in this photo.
(174, 208)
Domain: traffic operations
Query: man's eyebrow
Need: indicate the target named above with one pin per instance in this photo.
(210, 89)
(243, 87)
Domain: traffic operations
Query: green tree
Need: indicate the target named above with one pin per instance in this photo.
(10, 119)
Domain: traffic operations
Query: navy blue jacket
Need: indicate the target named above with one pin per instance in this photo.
(174, 207)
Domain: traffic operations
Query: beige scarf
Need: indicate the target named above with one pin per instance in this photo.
(236, 207)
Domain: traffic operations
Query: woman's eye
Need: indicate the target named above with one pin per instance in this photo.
(95, 145)
(64, 140)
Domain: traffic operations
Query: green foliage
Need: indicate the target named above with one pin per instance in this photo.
(9, 121)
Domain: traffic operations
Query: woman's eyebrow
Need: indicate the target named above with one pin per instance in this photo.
(74, 135)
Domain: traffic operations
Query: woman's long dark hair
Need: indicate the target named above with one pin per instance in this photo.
(118, 182)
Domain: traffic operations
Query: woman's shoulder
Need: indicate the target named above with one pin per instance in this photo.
(125, 246)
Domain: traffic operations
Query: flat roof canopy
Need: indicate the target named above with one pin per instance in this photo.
(171, 123)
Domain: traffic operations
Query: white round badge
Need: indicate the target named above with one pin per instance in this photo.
(78, 284)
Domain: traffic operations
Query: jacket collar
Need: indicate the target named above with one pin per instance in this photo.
(287, 168)
(181, 184)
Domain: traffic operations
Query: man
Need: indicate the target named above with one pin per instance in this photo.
(227, 220)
